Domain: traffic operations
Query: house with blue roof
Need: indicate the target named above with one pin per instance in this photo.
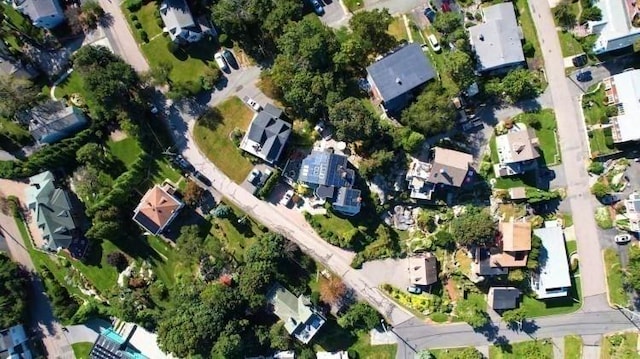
(328, 174)
(111, 345)
(397, 78)
(52, 121)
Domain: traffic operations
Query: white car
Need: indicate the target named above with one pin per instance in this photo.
(286, 198)
(622, 238)
(222, 64)
(433, 42)
(254, 105)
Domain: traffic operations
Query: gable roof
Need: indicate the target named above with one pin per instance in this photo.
(37, 9)
(267, 134)
(449, 167)
(496, 41)
(401, 72)
(501, 298)
(348, 200)
(176, 14)
(156, 209)
(516, 236)
(110, 345)
(517, 146)
(52, 121)
(423, 270)
(326, 169)
(300, 320)
(52, 211)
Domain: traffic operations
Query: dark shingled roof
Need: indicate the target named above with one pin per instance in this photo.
(503, 297)
(270, 132)
(401, 72)
(326, 169)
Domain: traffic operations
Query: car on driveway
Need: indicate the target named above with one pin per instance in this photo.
(254, 176)
(200, 177)
(584, 76)
(317, 7)
(286, 198)
(579, 60)
(430, 14)
(222, 64)
(231, 60)
(414, 290)
(622, 238)
(609, 199)
(253, 104)
(433, 42)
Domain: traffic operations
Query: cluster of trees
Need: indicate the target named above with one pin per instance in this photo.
(16, 95)
(432, 112)
(13, 292)
(85, 17)
(64, 305)
(517, 85)
(474, 227)
(98, 166)
(633, 269)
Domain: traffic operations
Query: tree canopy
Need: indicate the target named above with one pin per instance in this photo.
(360, 316)
(563, 14)
(474, 227)
(353, 121)
(16, 94)
(447, 22)
(432, 113)
(517, 85)
(13, 293)
(459, 65)
(370, 29)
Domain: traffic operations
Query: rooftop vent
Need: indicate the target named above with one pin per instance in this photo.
(481, 37)
(398, 81)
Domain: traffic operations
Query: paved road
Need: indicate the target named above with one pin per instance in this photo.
(46, 325)
(120, 37)
(574, 149)
(420, 337)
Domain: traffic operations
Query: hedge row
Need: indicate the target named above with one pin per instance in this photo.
(266, 190)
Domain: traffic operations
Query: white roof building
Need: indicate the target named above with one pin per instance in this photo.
(615, 30)
(633, 211)
(553, 279)
(333, 355)
(623, 91)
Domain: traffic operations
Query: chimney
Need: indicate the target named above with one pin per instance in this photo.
(481, 37)
(398, 81)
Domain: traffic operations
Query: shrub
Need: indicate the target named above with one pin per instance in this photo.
(118, 260)
(478, 16)
(137, 24)
(608, 137)
(156, 14)
(210, 78)
(612, 111)
(143, 35)
(596, 167)
(133, 5)
(269, 185)
(134, 17)
(223, 39)
(528, 49)
(469, 15)
(172, 47)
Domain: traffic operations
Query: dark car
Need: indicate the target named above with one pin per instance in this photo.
(430, 14)
(317, 7)
(584, 76)
(231, 60)
(579, 60)
(200, 177)
(609, 199)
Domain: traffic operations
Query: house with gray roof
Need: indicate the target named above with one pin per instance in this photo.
(517, 151)
(180, 24)
(503, 298)
(267, 134)
(53, 121)
(45, 14)
(52, 211)
(446, 169)
(329, 175)
(300, 319)
(397, 77)
(552, 279)
(14, 343)
(632, 206)
(497, 41)
(618, 28)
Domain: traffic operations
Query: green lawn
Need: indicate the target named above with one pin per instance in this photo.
(81, 350)
(594, 108)
(572, 246)
(598, 143)
(572, 347)
(397, 29)
(615, 278)
(445, 353)
(333, 338)
(570, 46)
(546, 133)
(620, 346)
(528, 179)
(235, 238)
(165, 171)
(542, 347)
(126, 150)
(354, 5)
(13, 136)
(212, 136)
(72, 84)
(528, 28)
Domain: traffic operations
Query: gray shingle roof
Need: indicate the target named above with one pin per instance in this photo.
(497, 41)
(503, 297)
(37, 9)
(401, 72)
(176, 14)
(269, 132)
(52, 121)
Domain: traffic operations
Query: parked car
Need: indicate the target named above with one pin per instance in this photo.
(579, 60)
(183, 164)
(200, 177)
(317, 7)
(414, 290)
(222, 64)
(430, 14)
(286, 198)
(254, 105)
(231, 60)
(622, 238)
(433, 42)
(471, 125)
(584, 76)
(609, 199)
(253, 176)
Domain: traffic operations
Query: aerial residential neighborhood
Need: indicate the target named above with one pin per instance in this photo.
(319, 179)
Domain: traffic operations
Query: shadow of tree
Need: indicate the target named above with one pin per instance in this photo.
(211, 119)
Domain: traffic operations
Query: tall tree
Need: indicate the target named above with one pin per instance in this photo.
(447, 22)
(459, 65)
(13, 293)
(520, 84)
(432, 113)
(353, 121)
(563, 15)
(332, 291)
(16, 94)
(515, 317)
(370, 29)
(476, 226)
(192, 193)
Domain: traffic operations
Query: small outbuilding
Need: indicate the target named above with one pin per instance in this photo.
(503, 298)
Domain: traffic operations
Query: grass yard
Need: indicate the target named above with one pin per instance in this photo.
(572, 246)
(447, 353)
(126, 150)
(572, 347)
(333, 338)
(82, 350)
(212, 136)
(615, 278)
(13, 136)
(594, 108)
(544, 122)
(598, 143)
(397, 29)
(540, 308)
(620, 346)
(72, 84)
(354, 5)
(570, 46)
(235, 237)
(543, 348)
(165, 171)
(527, 179)
(528, 28)
(603, 217)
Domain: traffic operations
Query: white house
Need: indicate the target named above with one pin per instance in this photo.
(616, 30)
(552, 279)
(45, 14)
(623, 91)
